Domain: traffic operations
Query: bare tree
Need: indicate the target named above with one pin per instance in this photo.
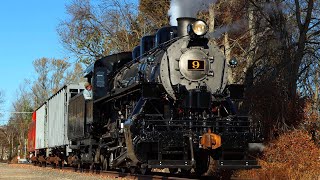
(283, 51)
(9, 133)
(20, 121)
(291, 28)
(51, 77)
(4, 145)
(74, 75)
(277, 46)
(81, 34)
(93, 32)
(154, 13)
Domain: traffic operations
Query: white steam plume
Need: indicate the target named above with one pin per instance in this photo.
(186, 8)
(234, 27)
(256, 147)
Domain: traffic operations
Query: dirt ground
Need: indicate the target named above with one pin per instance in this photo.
(28, 172)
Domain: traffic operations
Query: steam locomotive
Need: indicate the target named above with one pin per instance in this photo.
(167, 104)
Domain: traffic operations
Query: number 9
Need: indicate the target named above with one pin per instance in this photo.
(195, 64)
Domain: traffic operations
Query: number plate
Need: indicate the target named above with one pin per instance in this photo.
(196, 65)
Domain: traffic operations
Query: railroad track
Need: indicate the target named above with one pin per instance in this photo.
(117, 175)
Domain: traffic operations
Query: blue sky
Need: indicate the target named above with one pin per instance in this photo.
(27, 32)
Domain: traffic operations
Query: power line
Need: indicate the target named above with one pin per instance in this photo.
(12, 112)
(15, 112)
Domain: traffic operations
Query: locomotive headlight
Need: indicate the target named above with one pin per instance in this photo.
(199, 27)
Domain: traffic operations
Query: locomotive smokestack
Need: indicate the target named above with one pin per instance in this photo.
(183, 23)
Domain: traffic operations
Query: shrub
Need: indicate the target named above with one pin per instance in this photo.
(292, 156)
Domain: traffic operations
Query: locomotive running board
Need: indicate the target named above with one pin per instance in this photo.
(170, 164)
(238, 164)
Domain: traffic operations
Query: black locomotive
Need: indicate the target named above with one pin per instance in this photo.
(165, 105)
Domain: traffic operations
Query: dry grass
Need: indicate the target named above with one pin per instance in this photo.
(292, 156)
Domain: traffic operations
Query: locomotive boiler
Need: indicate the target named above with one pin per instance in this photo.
(165, 105)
